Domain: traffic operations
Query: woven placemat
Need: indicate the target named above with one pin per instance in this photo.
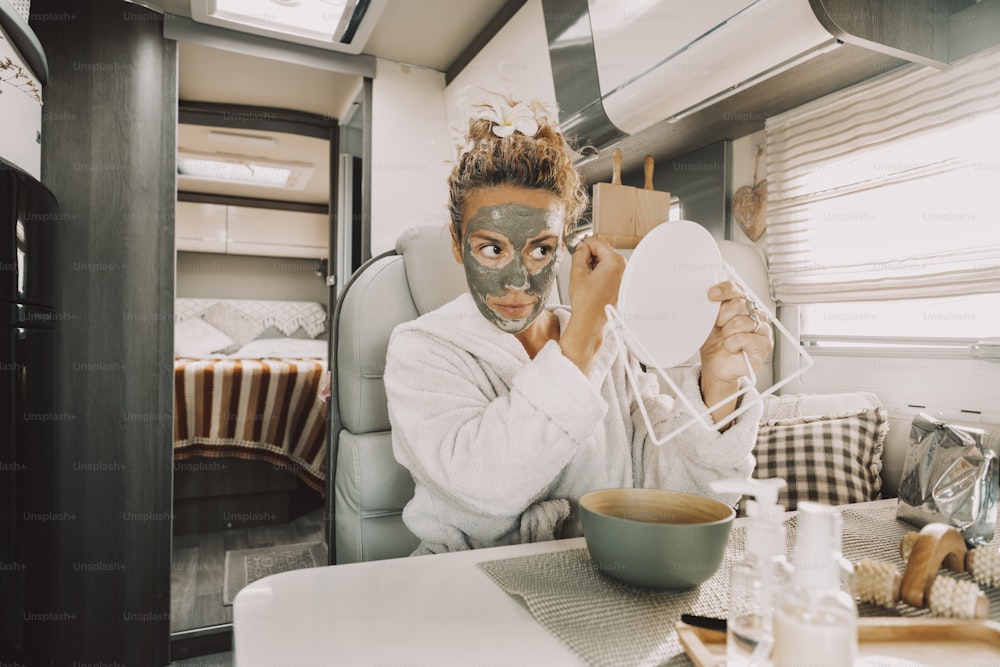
(606, 622)
(602, 620)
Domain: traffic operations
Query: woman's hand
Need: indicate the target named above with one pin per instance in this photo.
(739, 328)
(594, 279)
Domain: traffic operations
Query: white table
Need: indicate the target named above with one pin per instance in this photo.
(426, 610)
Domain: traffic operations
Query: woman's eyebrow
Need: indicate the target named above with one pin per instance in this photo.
(544, 237)
(488, 235)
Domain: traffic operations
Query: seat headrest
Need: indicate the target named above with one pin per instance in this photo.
(435, 278)
(750, 265)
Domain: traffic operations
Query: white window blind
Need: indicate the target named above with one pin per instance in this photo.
(889, 189)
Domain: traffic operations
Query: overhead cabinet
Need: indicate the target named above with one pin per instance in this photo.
(661, 78)
(243, 230)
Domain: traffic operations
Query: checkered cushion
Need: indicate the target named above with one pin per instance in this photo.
(832, 459)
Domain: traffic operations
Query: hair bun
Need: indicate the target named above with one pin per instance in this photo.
(507, 142)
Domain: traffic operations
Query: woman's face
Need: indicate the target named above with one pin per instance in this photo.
(510, 248)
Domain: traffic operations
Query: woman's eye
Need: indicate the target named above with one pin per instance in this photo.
(491, 251)
(540, 252)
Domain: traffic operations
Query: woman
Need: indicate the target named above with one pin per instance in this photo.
(506, 410)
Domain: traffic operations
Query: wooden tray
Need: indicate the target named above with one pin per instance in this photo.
(933, 642)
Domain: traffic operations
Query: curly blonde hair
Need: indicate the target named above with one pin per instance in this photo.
(542, 162)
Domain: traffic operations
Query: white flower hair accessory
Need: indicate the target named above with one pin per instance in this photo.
(507, 118)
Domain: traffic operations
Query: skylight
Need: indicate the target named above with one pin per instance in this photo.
(316, 20)
(235, 172)
(246, 171)
(342, 25)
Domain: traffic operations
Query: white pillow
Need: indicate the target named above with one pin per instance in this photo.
(230, 321)
(194, 337)
(282, 348)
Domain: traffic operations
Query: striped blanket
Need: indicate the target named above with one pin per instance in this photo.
(263, 409)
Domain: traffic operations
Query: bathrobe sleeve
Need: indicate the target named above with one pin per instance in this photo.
(696, 456)
(480, 447)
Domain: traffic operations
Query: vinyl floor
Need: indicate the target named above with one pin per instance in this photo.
(197, 572)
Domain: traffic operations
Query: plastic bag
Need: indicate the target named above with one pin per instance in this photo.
(950, 476)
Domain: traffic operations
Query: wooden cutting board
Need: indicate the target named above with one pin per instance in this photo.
(623, 214)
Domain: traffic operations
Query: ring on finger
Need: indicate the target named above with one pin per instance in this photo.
(752, 307)
(756, 323)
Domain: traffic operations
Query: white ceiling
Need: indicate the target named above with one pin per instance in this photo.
(206, 74)
(427, 33)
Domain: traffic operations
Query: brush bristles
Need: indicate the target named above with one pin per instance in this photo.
(877, 583)
(954, 598)
(984, 566)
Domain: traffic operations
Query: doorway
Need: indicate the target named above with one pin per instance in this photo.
(257, 256)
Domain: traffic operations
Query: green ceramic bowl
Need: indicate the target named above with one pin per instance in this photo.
(655, 538)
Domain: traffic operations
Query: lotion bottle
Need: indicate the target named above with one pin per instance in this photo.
(754, 578)
(815, 620)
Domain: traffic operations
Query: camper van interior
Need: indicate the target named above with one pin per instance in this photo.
(215, 213)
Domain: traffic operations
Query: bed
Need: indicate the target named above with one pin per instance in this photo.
(250, 385)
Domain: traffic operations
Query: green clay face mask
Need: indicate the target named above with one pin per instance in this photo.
(511, 255)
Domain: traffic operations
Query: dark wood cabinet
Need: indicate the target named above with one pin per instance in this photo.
(102, 594)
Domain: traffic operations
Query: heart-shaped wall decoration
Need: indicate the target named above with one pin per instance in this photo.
(750, 204)
(750, 209)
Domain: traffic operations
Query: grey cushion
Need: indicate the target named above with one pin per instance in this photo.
(375, 303)
(370, 491)
(368, 474)
(433, 275)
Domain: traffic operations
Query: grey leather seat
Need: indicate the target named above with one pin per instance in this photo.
(370, 487)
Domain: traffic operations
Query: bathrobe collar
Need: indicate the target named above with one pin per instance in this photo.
(460, 323)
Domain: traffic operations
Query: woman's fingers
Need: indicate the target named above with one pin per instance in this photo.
(724, 291)
(595, 278)
(740, 327)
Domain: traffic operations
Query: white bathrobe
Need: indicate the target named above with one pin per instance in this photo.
(502, 446)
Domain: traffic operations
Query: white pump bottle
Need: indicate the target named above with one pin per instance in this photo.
(815, 620)
(756, 577)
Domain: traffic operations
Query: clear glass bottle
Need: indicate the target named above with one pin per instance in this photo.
(754, 578)
(815, 619)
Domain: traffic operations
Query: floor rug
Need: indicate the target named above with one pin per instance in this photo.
(245, 566)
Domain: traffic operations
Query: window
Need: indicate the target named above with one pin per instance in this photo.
(947, 326)
(883, 223)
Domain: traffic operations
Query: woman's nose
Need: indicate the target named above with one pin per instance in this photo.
(518, 277)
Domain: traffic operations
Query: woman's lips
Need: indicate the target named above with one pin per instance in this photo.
(514, 311)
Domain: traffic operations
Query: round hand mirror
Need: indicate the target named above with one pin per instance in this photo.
(663, 298)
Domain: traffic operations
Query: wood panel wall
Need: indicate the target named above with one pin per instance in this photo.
(99, 579)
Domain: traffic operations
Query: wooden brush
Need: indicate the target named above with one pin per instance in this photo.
(880, 583)
(937, 546)
(982, 563)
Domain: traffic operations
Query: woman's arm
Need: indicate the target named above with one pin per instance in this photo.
(595, 277)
